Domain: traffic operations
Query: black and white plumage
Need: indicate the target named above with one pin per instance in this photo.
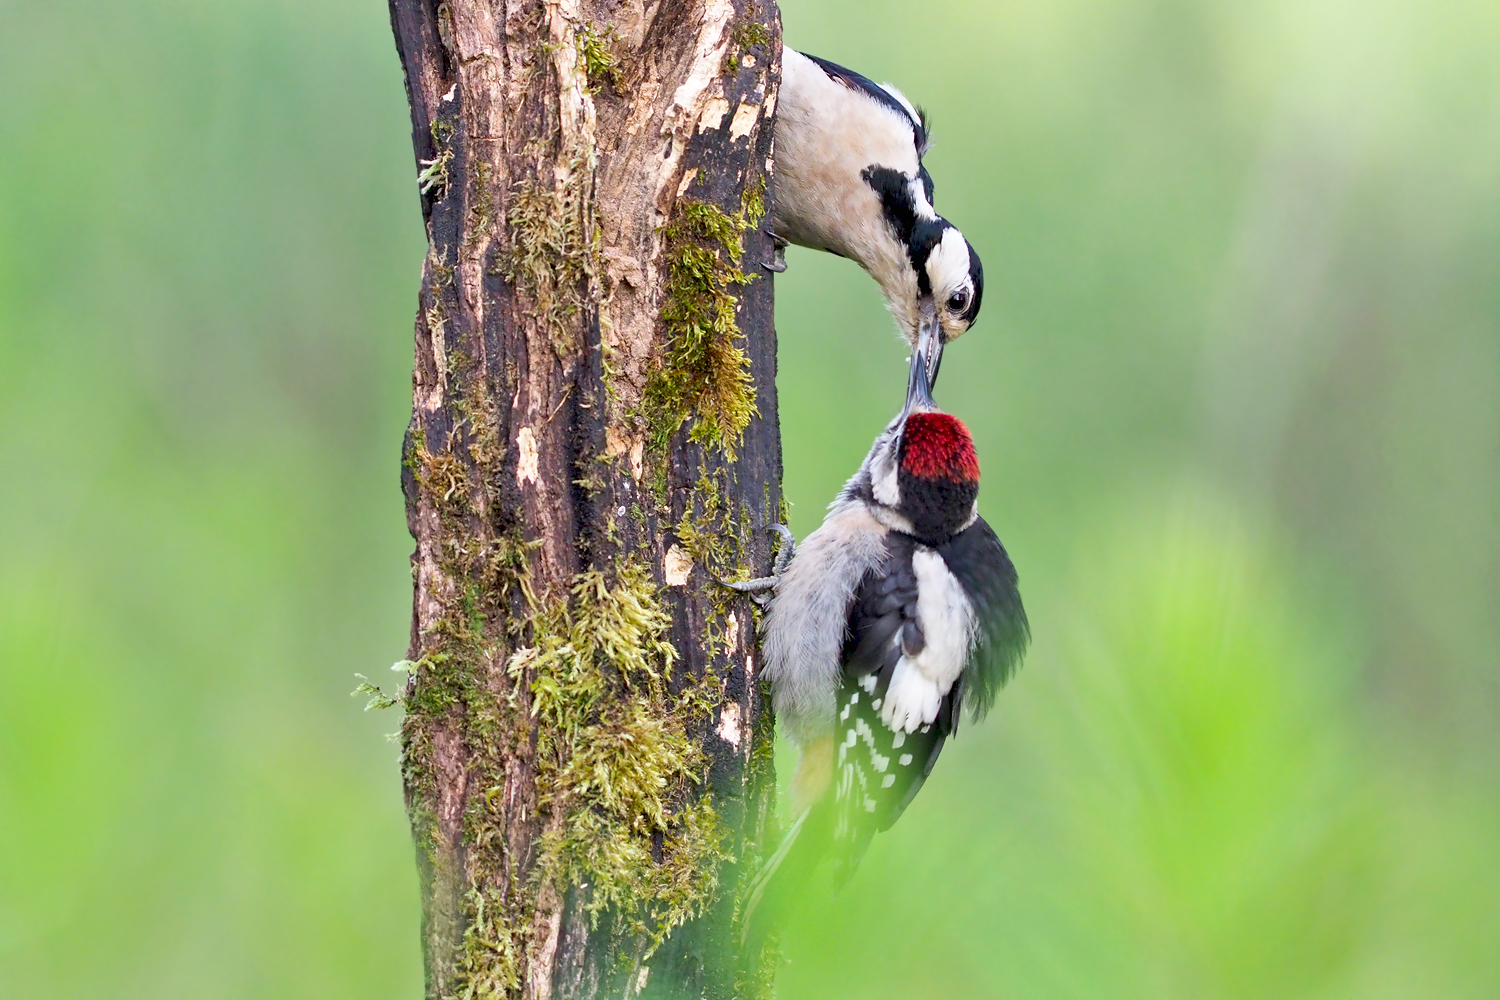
(850, 180)
(901, 611)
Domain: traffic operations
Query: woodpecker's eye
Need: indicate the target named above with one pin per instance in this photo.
(958, 301)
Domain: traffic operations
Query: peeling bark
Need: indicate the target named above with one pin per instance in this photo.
(576, 157)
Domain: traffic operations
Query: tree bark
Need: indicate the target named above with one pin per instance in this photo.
(586, 755)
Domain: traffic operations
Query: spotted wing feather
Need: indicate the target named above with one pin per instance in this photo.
(877, 772)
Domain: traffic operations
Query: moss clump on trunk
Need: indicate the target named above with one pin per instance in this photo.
(616, 755)
(704, 375)
(596, 52)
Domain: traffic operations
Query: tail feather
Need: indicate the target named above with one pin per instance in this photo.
(773, 865)
(785, 876)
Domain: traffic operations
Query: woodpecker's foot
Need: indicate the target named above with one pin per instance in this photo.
(760, 587)
(777, 263)
(755, 586)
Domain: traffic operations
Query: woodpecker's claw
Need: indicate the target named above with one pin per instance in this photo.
(758, 588)
(777, 263)
(787, 550)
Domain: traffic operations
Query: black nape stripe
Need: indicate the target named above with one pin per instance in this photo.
(896, 202)
(919, 236)
(856, 81)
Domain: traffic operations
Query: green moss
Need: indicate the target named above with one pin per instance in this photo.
(554, 247)
(704, 375)
(708, 528)
(434, 174)
(454, 687)
(411, 457)
(751, 34)
(442, 274)
(747, 35)
(591, 484)
(623, 765)
(482, 208)
(490, 966)
(616, 756)
(379, 701)
(441, 474)
(480, 418)
(600, 64)
(701, 220)
(587, 692)
(711, 533)
(753, 203)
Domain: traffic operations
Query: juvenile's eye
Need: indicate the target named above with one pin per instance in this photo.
(958, 301)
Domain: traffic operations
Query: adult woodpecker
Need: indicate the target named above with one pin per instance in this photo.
(850, 180)
(901, 610)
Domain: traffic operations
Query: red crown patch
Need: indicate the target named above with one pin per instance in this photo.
(938, 446)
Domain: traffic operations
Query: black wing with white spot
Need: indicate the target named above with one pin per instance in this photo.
(877, 772)
(982, 567)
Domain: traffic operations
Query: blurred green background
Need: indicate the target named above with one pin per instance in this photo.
(1236, 390)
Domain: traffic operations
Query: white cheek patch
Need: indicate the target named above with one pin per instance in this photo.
(920, 682)
(883, 482)
(948, 267)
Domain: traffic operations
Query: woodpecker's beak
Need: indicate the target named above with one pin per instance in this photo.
(918, 384)
(930, 342)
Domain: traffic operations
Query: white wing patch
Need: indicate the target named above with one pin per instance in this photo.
(912, 698)
(920, 682)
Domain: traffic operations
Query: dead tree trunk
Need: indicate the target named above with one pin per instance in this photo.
(586, 755)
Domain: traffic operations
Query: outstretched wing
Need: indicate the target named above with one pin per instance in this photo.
(981, 565)
(877, 772)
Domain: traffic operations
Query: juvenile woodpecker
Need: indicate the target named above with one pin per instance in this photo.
(850, 180)
(895, 614)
